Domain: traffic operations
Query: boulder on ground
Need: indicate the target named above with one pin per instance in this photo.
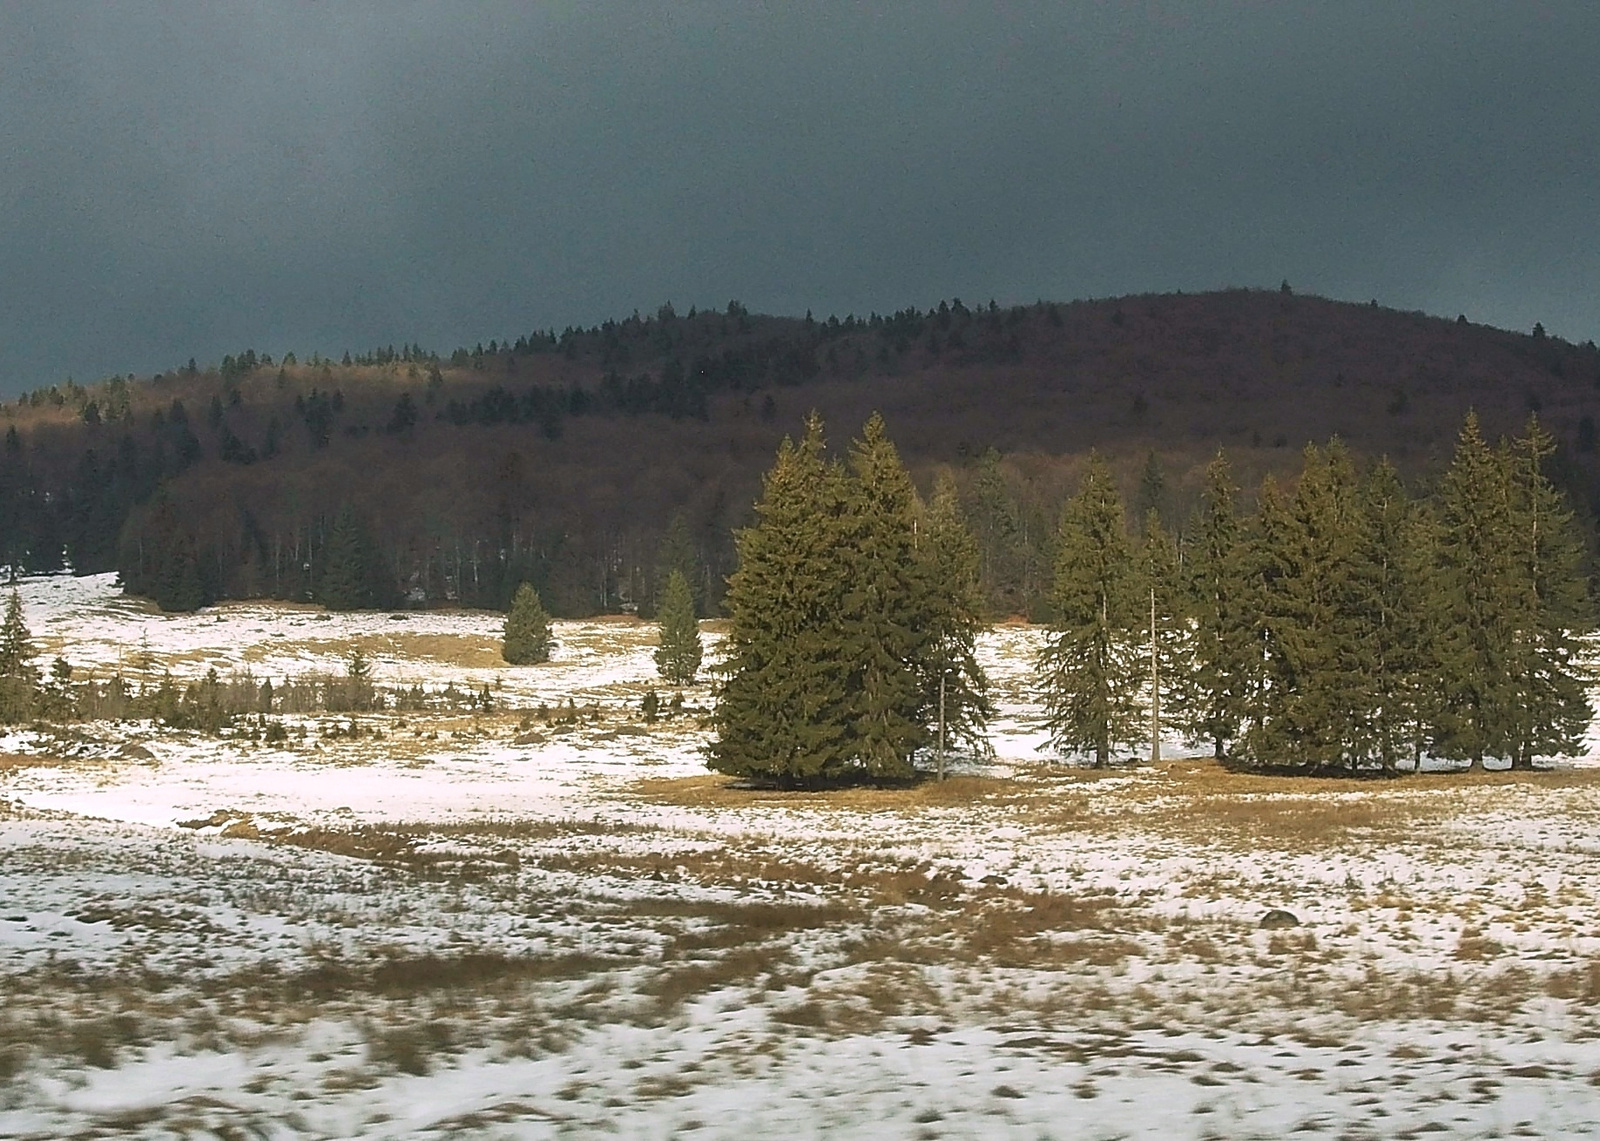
(1279, 918)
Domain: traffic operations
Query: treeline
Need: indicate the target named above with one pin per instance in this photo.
(338, 563)
(1343, 627)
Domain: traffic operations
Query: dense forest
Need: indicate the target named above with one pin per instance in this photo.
(592, 462)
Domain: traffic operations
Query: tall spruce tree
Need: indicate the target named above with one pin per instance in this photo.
(888, 603)
(1316, 698)
(18, 677)
(1554, 612)
(1393, 585)
(1474, 604)
(352, 576)
(528, 638)
(955, 617)
(678, 656)
(1090, 667)
(784, 707)
(1213, 696)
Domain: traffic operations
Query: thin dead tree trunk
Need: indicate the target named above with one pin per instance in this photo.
(1155, 688)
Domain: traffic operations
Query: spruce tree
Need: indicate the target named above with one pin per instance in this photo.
(528, 637)
(18, 677)
(1316, 698)
(888, 603)
(1393, 581)
(1473, 605)
(1554, 613)
(351, 575)
(1211, 699)
(678, 656)
(784, 703)
(955, 616)
(178, 585)
(1090, 667)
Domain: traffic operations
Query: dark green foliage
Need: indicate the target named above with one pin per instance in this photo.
(18, 678)
(160, 559)
(677, 553)
(1473, 605)
(528, 637)
(885, 626)
(783, 708)
(404, 417)
(840, 626)
(1314, 707)
(1010, 533)
(352, 575)
(55, 696)
(1355, 629)
(1549, 661)
(1395, 576)
(955, 618)
(678, 656)
(1090, 668)
(1152, 491)
(1212, 697)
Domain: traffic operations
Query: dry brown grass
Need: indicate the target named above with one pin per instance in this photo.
(1580, 984)
(468, 651)
(713, 791)
(10, 762)
(1199, 800)
(1207, 773)
(1023, 929)
(1190, 799)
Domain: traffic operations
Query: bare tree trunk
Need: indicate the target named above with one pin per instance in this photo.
(1155, 688)
(941, 726)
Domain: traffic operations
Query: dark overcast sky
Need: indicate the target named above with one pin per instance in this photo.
(197, 178)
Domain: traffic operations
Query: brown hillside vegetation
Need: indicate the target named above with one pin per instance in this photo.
(562, 458)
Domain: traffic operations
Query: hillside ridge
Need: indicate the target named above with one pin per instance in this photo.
(561, 458)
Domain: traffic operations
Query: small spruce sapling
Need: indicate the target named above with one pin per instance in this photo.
(679, 655)
(17, 674)
(527, 633)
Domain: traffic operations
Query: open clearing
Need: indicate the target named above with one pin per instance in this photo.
(497, 926)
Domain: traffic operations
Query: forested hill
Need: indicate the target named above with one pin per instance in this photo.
(564, 458)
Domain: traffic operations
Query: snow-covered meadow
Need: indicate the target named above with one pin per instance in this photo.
(497, 925)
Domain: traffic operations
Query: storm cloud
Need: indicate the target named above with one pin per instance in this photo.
(188, 179)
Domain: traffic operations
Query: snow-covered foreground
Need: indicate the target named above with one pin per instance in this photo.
(499, 926)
